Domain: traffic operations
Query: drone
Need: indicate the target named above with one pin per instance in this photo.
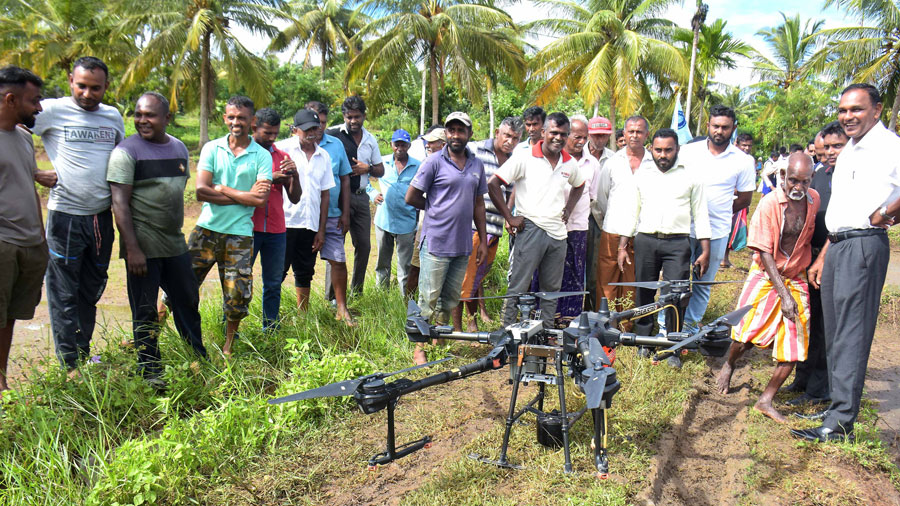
(584, 351)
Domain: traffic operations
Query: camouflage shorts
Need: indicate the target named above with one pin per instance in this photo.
(234, 254)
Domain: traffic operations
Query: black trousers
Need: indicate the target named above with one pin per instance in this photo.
(852, 280)
(651, 254)
(175, 276)
(812, 374)
(80, 247)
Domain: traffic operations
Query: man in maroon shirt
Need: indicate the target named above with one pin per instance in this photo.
(269, 231)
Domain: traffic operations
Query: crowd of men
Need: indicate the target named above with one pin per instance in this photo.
(578, 216)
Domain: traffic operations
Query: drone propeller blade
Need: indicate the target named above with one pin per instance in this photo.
(556, 295)
(707, 283)
(413, 312)
(412, 308)
(595, 386)
(650, 285)
(339, 389)
(413, 368)
(734, 317)
(488, 297)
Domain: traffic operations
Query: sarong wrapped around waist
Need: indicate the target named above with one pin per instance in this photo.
(765, 324)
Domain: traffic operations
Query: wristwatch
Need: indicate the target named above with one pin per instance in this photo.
(883, 212)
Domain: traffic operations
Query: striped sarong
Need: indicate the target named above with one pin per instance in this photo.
(765, 325)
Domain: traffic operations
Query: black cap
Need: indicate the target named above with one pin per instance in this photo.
(306, 119)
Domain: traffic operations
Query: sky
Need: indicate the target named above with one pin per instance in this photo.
(744, 18)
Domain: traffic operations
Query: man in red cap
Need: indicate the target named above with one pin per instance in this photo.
(599, 131)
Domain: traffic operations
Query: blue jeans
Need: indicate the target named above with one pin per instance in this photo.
(440, 283)
(272, 247)
(700, 296)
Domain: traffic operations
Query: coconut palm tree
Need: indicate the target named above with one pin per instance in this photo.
(791, 43)
(868, 52)
(323, 26)
(606, 49)
(462, 39)
(188, 35)
(49, 35)
(716, 49)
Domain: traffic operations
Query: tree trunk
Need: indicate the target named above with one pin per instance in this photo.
(612, 120)
(322, 68)
(690, 93)
(422, 110)
(596, 109)
(894, 109)
(204, 90)
(435, 104)
(490, 109)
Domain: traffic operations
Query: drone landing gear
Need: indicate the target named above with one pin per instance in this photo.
(598, 443)
(393, 452)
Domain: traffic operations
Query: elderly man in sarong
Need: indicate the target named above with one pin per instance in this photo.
(780, 234)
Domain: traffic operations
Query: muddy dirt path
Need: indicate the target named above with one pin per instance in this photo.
(700, 458)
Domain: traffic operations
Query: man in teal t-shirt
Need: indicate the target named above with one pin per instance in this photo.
(234, 176)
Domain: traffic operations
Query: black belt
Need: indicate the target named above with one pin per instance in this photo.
(860, 232)
(660, 235)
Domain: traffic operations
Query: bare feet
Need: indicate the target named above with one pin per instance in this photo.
(486, 319)
(73, 374)
(725, 265)
(767, 409)
(473, 326)
(723, 381)
(344, 316)
(161, 313)
(419, 356)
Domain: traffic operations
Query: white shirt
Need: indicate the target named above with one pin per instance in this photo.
(622, 204)
(669, 201)
(601, 184)
(588, 166)
(541, 188)
(722, 175)
(367, 152)
(866, 177)
(315, 177)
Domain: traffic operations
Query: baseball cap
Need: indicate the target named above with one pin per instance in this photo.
(401, 135)
(306, 119)
(459, 116)
(437, 134)
(599, 125)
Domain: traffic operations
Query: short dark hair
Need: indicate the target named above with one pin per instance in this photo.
(744, 137)
(796, 147)
(874, 95)
(534, 112)
(241, 101)
(665, 133)
(637, 117)
(620, 132)
(268, 117)
(17, 77)
(353, 103)
(834, 128)
(560, 119)
(91, 63)
(782, 150)
(318, 107)
(434, 127)
(163, 102)
(723, 110)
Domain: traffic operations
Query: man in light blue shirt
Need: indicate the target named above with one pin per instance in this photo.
(395, 220)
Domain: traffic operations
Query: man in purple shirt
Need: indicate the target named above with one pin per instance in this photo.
(449, 187)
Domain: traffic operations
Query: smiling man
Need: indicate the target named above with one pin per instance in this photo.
(865, 200)
(541, 178)
(79, 133)
(147, 174)
(234, 176)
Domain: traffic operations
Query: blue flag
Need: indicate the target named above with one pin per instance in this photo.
(679, 123)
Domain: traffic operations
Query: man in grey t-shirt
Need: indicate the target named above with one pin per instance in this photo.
(79, 133)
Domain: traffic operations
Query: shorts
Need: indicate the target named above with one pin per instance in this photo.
(234, 255)
(299, 256)
(333, 249)
(22, 271)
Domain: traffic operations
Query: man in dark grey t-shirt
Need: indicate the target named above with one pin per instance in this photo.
(78, 132)
(147, 174)
(23, 250)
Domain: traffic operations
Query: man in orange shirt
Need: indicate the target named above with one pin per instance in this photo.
(780, 235)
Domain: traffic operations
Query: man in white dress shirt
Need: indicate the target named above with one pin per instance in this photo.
(725, 171)
(865, 200)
